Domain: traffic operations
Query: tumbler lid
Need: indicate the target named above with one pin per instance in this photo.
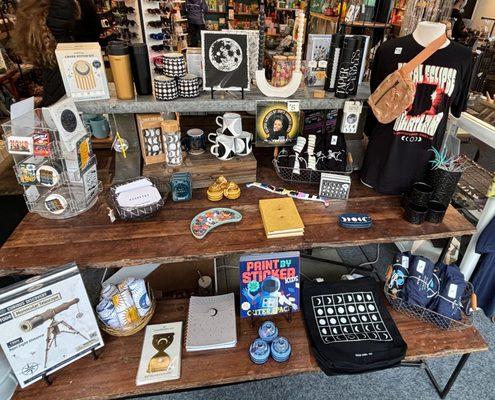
(139, 48)
(117, 48)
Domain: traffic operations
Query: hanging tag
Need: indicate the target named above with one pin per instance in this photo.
(398, 50)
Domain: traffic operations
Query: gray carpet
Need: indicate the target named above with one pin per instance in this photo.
(476, 380)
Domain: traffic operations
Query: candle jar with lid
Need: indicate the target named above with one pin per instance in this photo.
(172, 142)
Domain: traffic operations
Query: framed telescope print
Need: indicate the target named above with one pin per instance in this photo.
(46, 323)
(225, 60)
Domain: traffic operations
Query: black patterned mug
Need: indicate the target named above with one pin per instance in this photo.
(189, 85)
(165, 88)
(174, 65)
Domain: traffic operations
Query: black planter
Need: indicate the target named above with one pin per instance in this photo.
(444, 184)
(415, 214)
(436, 212)
(420, 194)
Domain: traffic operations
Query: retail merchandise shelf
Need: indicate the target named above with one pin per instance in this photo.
(113, 375)
(222, 101)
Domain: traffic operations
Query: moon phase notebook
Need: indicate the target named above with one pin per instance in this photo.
(211, 323)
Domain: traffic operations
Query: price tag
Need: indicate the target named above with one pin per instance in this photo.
(293, 106)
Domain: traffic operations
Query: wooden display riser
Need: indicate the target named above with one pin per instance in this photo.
(113, 374)
(205, 168)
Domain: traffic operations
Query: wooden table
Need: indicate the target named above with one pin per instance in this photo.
(91, 240)
(113, 375)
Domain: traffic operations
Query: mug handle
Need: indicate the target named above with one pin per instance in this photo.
(218, 123)
(212, 150)
(200, 82)
(210, 139)
(185, 143)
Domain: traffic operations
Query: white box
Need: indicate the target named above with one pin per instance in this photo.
(83, 71)
(46, 323)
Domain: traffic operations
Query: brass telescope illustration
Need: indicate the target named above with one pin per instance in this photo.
(39, 319)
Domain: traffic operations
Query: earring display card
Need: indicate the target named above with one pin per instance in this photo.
(47, 323)
(225, 61)
(20, 145)
(83, 72)
(150, 137)
(161, 354)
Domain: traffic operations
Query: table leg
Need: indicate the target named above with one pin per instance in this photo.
(442, 393)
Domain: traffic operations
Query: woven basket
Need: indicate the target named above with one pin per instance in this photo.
(131, 329)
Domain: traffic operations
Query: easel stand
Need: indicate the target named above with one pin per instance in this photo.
(49, 382)
(212, 91)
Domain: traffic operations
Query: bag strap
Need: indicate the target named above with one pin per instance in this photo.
(423, 56)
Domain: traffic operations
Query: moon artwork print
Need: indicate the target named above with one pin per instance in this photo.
(226, 62)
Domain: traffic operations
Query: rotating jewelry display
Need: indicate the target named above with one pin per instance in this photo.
(59, 176)
(421, 10)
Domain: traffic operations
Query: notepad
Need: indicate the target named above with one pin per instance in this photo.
(211, 323)
(281, 218)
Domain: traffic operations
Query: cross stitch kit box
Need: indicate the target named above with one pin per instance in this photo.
(269, 283)
(83, 71)
(46, 323)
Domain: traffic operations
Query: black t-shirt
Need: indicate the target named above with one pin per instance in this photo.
(397, 155)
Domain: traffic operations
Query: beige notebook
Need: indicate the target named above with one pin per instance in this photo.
(281, 218)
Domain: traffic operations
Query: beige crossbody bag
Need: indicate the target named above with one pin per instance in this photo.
(396, 92)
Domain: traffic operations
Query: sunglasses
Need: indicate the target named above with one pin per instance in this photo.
(154, 10)
(126, 22)
(161, 47)
(155, 24)
(160, 36)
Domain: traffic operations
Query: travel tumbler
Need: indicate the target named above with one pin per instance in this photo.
(140, 64)
(120, 63)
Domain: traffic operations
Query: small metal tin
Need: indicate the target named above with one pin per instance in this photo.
(281, 349)
(259, 351)
(268, 331)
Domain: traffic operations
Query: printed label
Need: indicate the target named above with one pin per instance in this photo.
(293, 106)
(405, 262)
(398, 50)
(334, 139)
(452, 291)
(421, 266)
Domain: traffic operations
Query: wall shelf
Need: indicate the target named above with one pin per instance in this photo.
(223, 101)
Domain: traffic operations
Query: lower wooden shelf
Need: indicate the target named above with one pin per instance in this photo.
(113, 374)
(205, 168)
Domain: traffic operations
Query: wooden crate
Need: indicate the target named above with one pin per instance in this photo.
(205, 168)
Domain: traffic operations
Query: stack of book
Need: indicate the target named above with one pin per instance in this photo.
(281, 218)
(211, 323)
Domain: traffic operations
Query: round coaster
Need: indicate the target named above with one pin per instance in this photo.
(268, 331)
(281, 349)
(56, 203)
(222, 181)
(47, 175)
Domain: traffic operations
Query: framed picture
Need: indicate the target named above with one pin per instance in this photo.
(225, 61)
(253, 49)
(277, 123)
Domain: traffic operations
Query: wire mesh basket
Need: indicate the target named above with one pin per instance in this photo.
(429, 316)
(305, 175)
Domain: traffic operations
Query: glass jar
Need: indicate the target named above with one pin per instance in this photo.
(172, 142)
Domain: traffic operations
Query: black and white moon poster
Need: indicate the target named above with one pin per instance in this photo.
(225, 60)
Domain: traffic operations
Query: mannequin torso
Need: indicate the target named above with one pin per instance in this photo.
(426, 32)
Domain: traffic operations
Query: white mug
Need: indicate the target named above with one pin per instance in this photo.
(247, 140)
(226, 147)
(231, 124)
(239, 145)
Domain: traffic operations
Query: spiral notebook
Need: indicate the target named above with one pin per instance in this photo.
(211, 323)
